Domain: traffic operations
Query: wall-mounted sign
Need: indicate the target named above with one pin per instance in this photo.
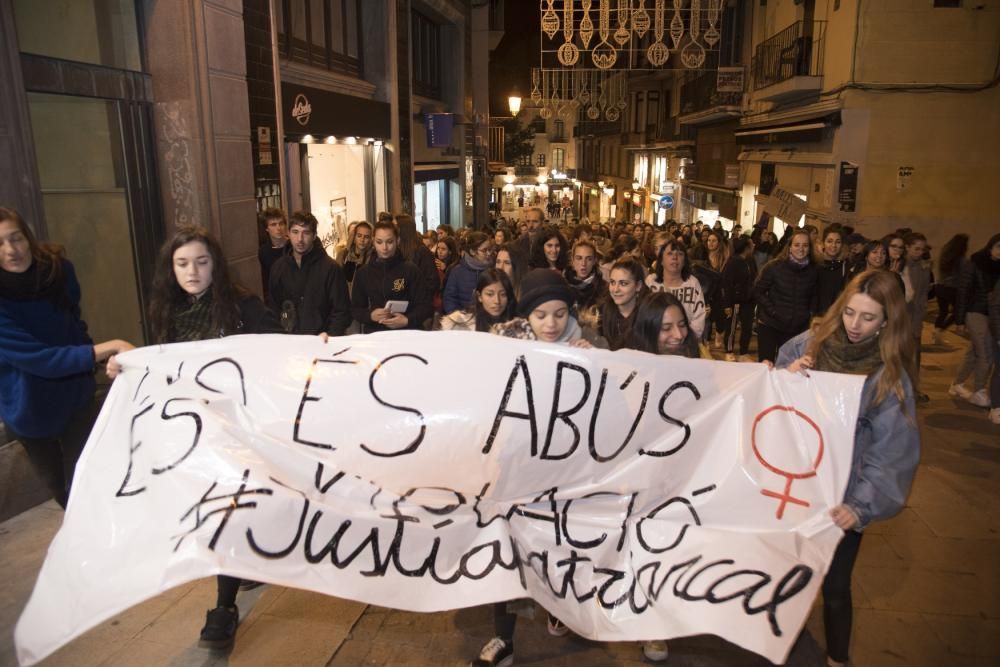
(440, 127)
(301, 109)
(903, 176)
(264, 145)
(666, 201)
(729, 80)
(847, 190)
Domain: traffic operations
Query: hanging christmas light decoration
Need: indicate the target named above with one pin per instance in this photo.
(620, 40)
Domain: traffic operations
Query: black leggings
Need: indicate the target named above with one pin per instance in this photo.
(769, 341)
(946, 298)
(743, 317)
(838, 608)
(504, 622)
(54, 459)
(227, 588)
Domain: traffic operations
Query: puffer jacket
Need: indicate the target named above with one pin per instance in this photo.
(785, 293)
(460, 285)
(977, 280)
(886, 445)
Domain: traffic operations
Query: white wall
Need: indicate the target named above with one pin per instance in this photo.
(336, 170)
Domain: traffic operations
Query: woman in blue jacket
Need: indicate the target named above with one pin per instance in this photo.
(865, 332)
(47, 360)
(460, 283)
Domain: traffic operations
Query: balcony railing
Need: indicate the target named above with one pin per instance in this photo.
(795, 51)
(496, 143)
(666, 132)
(700, 94)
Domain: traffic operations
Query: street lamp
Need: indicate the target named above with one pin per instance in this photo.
(514, 101)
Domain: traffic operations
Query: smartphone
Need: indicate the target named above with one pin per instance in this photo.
(397, 306)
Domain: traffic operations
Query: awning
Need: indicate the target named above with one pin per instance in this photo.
(323, 113)
(435, 171)
(801, 131)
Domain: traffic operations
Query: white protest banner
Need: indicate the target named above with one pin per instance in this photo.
(634, 496)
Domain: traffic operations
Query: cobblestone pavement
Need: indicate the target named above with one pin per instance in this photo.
(927, 587)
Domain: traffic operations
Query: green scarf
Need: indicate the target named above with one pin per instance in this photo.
(193, 320)
(840, 355)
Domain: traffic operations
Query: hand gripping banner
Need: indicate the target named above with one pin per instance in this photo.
(634, 496)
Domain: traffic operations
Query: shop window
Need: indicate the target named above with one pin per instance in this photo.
(426, 54)
(540, 160)
(98, 32)
(559, 159)
(321, 33)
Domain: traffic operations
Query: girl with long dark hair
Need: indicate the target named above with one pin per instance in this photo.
(493, 303)
(866, 332)
(548, 250)
(193, 298)
(47, 359)
(617, 311)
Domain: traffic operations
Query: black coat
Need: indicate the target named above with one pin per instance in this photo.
(312, 297)
(785, 293)
(831, 276)
(256, 318)
(738, 277)
(392, 279)
(587, 294)
(975, 282)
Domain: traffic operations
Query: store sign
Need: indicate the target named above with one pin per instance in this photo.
(847, 190)
(264, 145)
(730, 80)
(440, 127)
(301, 110)
(732, 175)
(783, 205)
(621, 490)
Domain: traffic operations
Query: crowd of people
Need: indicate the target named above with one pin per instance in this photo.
(827, 300)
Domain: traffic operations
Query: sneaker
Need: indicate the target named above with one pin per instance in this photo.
(220, 628)
(556, 627)
(496, 653)
(655, 651)
(959, 391)
(980, 398)
(995, 415)
(730, 356)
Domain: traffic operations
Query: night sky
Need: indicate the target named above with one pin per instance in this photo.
(517, 53)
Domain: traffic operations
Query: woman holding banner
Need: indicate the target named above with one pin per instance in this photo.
(865, 332)
(193, 298)
(545, 314)
(47, 359)
(661, 327)
(493, 304)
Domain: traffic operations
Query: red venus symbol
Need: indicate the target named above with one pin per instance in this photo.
(786, 497)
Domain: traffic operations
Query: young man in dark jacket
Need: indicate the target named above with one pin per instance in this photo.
(584, 275)
(307, 288)
(388, 277)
